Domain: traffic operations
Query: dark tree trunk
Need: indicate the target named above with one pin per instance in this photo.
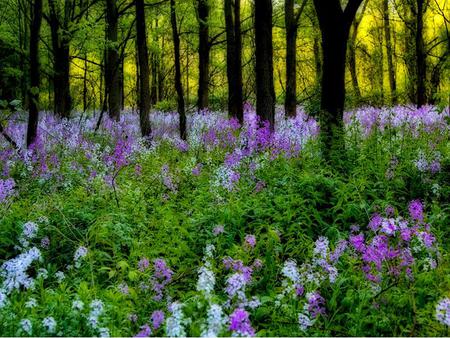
(290, 102)
(203, 54)
(112, 65)
(35, 29)
(234, 58)
(265, 93)
(178, 85)
(61, 63)
(144, 73)
(420, 56)
(389, 53)
(334, 25)
(61, 81)
(155, 70)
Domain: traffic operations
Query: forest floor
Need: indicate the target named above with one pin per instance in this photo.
(235, 231)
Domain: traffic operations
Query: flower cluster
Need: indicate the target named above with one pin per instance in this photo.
(431, 165)
(97, 309)
(215, 321)
(6, 189)
(310, 277)
(394, 245)
(240, 324)
(175, 323)
(443, 311)
(15, 270)
(206, 277)
(368, 119)
(161, 277)
(80, 253)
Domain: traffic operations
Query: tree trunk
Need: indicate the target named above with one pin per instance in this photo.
(352, 61)
(317, 59)
(203, 54)
(234, 58)
(334, 25)
(420, 56)
(155, 71)
(61, 64)
(389, 52)
(178, 85)
(112, 66)
(61, 81)
(290, 102)
(85, 90)
(144, 73)
(35, 29)
(265, 93)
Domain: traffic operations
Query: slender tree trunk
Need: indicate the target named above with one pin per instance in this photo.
(420, 56)
(155, 71)
(317, 59)
(144, 73)
(334, 25)
(61, 63)
(178, 85)
(112, 66)
(35, 29)
(389, 52)
(290, 102)
(352, 60)
(24, 36)
(122, 84)
(85, 89)
(265, 93)
(203, 54)
(234, 58)
(381, 64)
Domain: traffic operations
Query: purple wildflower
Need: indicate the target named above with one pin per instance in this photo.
(161, 277)
(240, 323)
(250, 241)
(157, 319)
(143, 264)
(218, 230)
(358, 242)
(416, 210)
(375, 222)
(145, 331)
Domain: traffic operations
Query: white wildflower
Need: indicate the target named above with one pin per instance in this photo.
(14, 271)
(31, 303)
(26, 326)
(174, 323)
(49, 323)
(215, 321)
(59, 275)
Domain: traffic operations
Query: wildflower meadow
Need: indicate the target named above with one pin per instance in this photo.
(235, 231)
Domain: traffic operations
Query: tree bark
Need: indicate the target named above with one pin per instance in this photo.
(389, 53)
(61, 62)
(265, 93)
(352, 61)
(35, 29)
(334, 25)
(178, 84)
(112, 66)
(290, 102)
(144, 72)
(420, 56)
(234, 58)
(203, 54)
